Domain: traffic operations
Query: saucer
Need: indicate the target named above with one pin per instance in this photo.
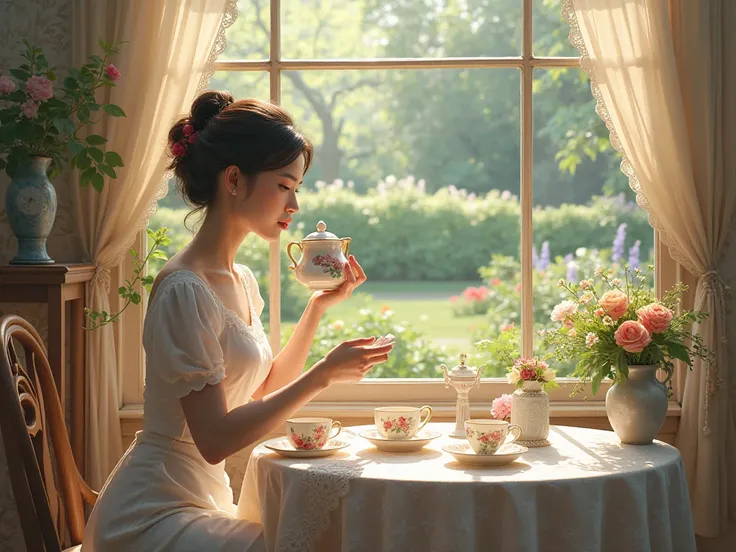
(399, 445)
(282, 446)
(465, 454)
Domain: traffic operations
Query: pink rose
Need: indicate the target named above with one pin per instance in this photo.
(188, 130)
(528, 374)
(192, 138)
(39, 88)
(30, 109)
(655, 318)
(564, 311)
(112, 72)
(632, 337)
(599, 312)
(615, 303)
(7, 85)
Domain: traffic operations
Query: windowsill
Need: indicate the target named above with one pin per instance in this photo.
(360, 410)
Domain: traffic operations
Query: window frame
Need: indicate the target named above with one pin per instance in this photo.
(361, 397)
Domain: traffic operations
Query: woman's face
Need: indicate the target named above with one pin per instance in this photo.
(268, 203)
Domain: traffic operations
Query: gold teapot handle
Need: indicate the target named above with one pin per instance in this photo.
(291, 257)
(346, 245)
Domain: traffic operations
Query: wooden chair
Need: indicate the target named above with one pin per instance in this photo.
(31, 417)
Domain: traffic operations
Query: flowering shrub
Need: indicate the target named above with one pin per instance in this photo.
(474, 300)
(623, 326)
(413, 356)
(37, 119)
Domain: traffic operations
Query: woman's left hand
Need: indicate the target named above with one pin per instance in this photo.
(355, 276)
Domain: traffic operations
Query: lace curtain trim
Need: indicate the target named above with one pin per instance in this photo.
(576, 39)
(229, 17)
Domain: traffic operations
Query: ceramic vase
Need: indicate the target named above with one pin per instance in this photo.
(637, 406)
(30, 203)
(530, 411)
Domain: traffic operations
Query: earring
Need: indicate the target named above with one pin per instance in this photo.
(235, 191)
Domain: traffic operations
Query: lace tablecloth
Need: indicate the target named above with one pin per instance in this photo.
(585, 493)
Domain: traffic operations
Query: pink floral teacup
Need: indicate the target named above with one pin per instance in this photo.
(400, 422)
(487, 436)
(311, 433)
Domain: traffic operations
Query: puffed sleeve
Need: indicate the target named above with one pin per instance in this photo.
(185, 351)
(253, 291)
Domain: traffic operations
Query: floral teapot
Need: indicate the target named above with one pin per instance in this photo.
(322, 265)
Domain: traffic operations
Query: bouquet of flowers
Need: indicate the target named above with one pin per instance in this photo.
(39, 118)
(623, 325)
(505, 348)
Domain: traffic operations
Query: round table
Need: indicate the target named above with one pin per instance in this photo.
(586, 492)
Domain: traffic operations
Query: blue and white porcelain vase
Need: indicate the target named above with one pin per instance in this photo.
(30, 203)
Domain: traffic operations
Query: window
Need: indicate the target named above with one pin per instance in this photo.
(458, 145)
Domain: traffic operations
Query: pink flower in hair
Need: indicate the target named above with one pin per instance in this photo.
(193, 138)
(188, 129)
(178, 149)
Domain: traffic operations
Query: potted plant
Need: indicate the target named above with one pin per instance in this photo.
(623, 332)
(40, 124)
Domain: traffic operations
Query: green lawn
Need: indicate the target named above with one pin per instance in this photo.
(423, 305)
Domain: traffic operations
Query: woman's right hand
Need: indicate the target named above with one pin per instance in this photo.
(351, 360)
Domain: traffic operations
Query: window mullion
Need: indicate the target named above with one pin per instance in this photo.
(527, 283)
(275, 246)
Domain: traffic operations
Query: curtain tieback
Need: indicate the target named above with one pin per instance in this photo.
(102, 277)
(713, 285)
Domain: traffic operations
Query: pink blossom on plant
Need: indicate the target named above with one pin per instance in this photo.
(496, 282)
(454, 299)
(655, 318)
(563, 311)
(528, 374)
(7, 85)
(632, 336)
(39, 88)
(506, 327)
(501, 407)
(599, 312)
(112, 72)
(30, 109)
(615, 303)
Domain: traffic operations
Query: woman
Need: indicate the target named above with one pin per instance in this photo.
(213, 386)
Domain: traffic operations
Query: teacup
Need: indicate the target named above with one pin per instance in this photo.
(400, 422)
(311, 433)
(487, 436)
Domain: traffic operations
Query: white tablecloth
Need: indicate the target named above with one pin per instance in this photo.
(585, 493)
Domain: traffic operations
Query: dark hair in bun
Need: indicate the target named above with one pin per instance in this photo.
(255, 136)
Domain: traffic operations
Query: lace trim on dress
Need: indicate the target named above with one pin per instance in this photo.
(576, 39)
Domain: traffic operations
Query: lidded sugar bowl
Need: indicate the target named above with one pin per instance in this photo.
(322, 263)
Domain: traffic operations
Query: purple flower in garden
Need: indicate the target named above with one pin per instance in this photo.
(634, 255)
(618, 243)
(535, 257)
(572, 269)
(544, 258)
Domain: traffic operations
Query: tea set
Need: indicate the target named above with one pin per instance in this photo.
(398, 429)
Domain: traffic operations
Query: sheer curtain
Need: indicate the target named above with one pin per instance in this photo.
(170, 54)
(663, 76)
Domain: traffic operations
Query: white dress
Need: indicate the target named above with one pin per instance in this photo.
(162, 495)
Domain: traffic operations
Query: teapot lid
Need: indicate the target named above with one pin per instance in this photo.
(461, 370)
(321, 233)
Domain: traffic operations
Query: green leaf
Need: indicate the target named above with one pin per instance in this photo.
(679, 352)
(96, 154)
(70, 83)
(113, 110)
(147, 280)
(16, 96)
(97, 182)
(86, 176)
(64, 126)
(83, 160)
(109, 171)
(121, 290)
(113, 159)
(135, 298)
(75, 147)
(96, 140)
(596, 381)
(20, 74)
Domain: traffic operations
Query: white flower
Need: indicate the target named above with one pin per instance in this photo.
(586, 297)
(591, 339)
(584, 284)
(549, 375)
(560, 282)
(513, 376)
(572, 332)
(608, 321)
(564, 310)
(616, 282)
(598, 270)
